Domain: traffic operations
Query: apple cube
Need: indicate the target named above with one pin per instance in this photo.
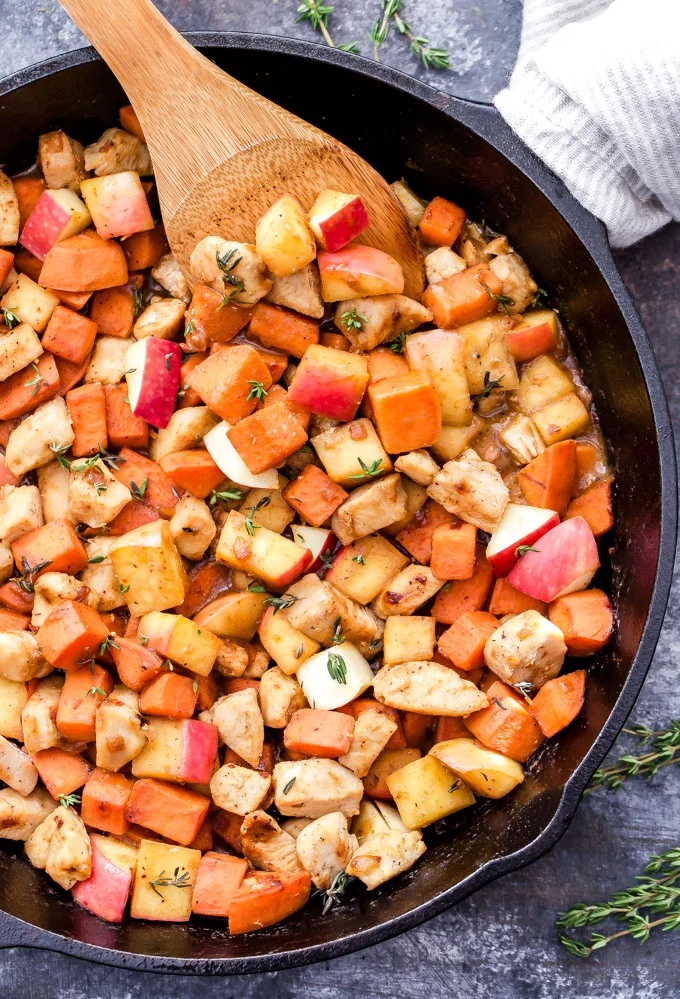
(149, 568)
(29, 302)
(233, 615)
(273, 512)
(283, 237)
(345, 450)
(424, 792)
(180, 640)
(329, 382)
(487, 351)
(487, 773)
(442, 354)
(336, 219)
(542, 382)
(227, 458)
(152, 375)
(105, 893)
(519, 528)
(13, 697)
(537, 333)
(318, 540)
(164, 880)
(357, 272)
(452, 441)
(288, 647)
(362, 569)
(565, 561)
(334, 677)
(276, 560)
(560, 420)
(56, 215)
(117, 204)
(178, 750)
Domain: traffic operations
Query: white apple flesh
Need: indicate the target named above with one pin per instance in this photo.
(566, 561)
(334, 677)
(152, 376)
(105, 892)
(229, 461)
(56, 215)
(519, 528)
(318, 540)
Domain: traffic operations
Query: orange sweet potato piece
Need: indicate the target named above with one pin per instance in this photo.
(454, 551)
(6, 264)
(134, 514)
(505, 599)
(547, 480)
(16, 599)
(211, 320)
(69, 335)
(407, 412)
(11, 621)
(314, 496)
(87, 408)
(190, 397)
(70, 374)
(79, 699)
(585, 619)
(130, 122)
(23, 391)
(160, 492)
(175, 813)
(335, 340)
(282, 329)
(442, 222)
(227, 377)
(194, 471)
(85, 262)
(264, 899)
(595, 506)
(375, 782)
(70, 635)
(463, 297)
(61, 772)
(417, 728)
(169, 695)
(417, 536)
(28, 191)
(450, 728)
(267, 437)
(355, 708)
(55, 546)
(145, 249)
(137, 664)
(113, 309)
(207, 581)
(461, 595)
(319, 733)
(506, 724)
(559, 701)
(104, 800)
(218, 879)
(463, 643)
(277, 393)
(123, 428)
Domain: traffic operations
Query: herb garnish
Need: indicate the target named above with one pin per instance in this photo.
(359, 559)
(110, 640)
(227, 264)
(430, 56)
(337, 667)
(289, 785)
(258, 391)
(338, 636)
(280, 603)
(93, 691)
(523, 549)
(664, 750)
(224, 496)
(502, 300)
(317, 14)
(139, 492)
(250, 524)
(69, 800)
(334, 894)
(353, 320)
(489, 385)
(35, 382)
(398, 345)
(176, 881)
(368, 470)
(10, 318)
(26, 581)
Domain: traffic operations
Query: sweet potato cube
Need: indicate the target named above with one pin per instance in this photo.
(29, 388)
(264, 899)
(83, 691)
(407, 412)
(226, 378)
(69, 335)
(282, 329)
(71, 634)
(61, 772)
(459, 596)
(595, 506)
(137, 664)
(463, 643)
(314, 496)
(123, 428)
(326, 734)
(585, 619)
(113, 310)
(442, 222)
(506, 724)
(212, 320)
(417, 536)
(55, 547)
(145, 249)
(454, 551)
(85, 262)
(219, 878)
(104, 800)
(169, 696)
(266, 438)
(173, 812)
(86, 406)
(463, 297)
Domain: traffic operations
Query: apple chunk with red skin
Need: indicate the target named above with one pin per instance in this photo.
(178, 750)
(536, 334)
(357, 272)
(181, 640)
(276, 560)
(336, 219)
(117, 204)
(319, 540)
(329, 382)
(106, 891)
(565, 561)
(519, 528)
(56, 215)
(152, 376)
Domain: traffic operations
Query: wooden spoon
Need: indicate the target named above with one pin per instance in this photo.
(223, 154)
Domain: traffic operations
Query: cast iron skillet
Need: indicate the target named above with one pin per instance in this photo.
(463, 150)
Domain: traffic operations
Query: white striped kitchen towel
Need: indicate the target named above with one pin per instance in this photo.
(596, 94)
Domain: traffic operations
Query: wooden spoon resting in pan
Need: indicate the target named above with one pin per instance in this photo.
(223, 154)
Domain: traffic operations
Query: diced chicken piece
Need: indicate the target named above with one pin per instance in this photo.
(9, 212)
(99, 576)
(20, 511)
(316, 787)
(370, 508)
(232, 659)
(522, 439)
(168, 274)
(427, 689)
(238, 789)
(6, 562)
(471, 489)
(324, 848)
(62, 160)
(300, 291)
(16, 767)
(318, 606)
(32, 443)
(192, 527)
(280, 697)
(295, 826)
(60, 846)
(385, 855)
(526, 649)
(258, 659)
(117, 151)
(96, 497)
(38, 717)
(53, 588)
(497, 246)
(418, 465)
(186, 430)
(409, 589)
(118, 729)
(518, 284)
(163, 319)
(20, 816)
(108, 361)
(372, 732)
(472, 244)
(54, 483)
(266, 845)
(18, 348)
(20, 657)
(443, 263)
(379, 318)
(229, 267)
(238, 720)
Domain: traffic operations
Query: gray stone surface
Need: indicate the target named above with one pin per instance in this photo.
(500, 943)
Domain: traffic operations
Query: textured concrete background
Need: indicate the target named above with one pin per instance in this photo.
(501, 943)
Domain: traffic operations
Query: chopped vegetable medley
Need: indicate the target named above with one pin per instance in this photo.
(292, 566)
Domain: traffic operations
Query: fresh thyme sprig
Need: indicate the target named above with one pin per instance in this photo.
(280, 603)
(432, 57)
(9, 318)
(224, 496)
(257, 391)
(317, 14)
(334, 894)
(398, 345)
(368, 471)
(337, 667)
(664, 750)
(226, 264)
(69, 800)
(139, 491)
(489, 385)
(250, 524)
(656, 893)
(353, 320)
(36, 381)
(176, 881)
(502, 300)
(26, 581)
